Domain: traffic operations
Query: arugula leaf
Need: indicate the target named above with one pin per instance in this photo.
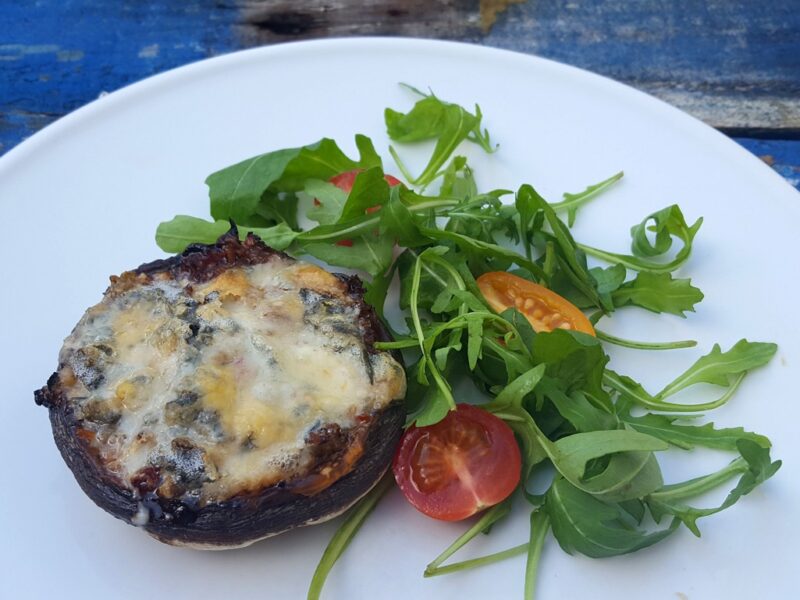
(667, 222)
(237, 191)
(278, 208)
(377, 290)
(607, 337)
(367, 156)
(608, 280)
(658, 292)
(572, 202)
(509, 400)
(754, 465)
(499, 364)
(323, 160)
(575, 359)
(540, 525)
(478, 562)
(433, 279)
(626, 477)
(582, 523)
(720, 368)
(458, 180)
(334, 205)
(527, 206)
(577, 409)
(426, 120)
(689, 436)
(632, 391)
(484, 249)
(432, 118)
(569, 257)
(176, 234)
(444, 401)
(508, 405)
(329, 203)
(474, 340)
(399, 223)
(369, 190)
(425, 404)
(522, 325)
(725, 369)
(370, 253)
(575, 451)
(484, 524)
(631, 471)
(481, 216)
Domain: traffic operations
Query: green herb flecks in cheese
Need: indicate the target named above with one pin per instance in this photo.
(216, 386)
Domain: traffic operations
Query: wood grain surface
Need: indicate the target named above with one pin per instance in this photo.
(733, 63)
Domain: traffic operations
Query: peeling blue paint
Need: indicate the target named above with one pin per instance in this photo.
(674, 43)
(150, 51)
(781, 155)
(106, 45)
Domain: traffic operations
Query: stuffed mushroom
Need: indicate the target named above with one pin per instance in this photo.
(225, 395)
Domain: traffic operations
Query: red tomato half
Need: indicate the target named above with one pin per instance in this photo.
(344, 181)
(466, 462)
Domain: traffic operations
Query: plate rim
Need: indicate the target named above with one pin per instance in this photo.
(108, 101)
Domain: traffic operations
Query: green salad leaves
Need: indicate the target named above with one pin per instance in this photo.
(594, 433)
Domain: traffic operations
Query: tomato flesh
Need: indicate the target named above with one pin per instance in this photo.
(466, 462)
(544, 309)
(344, 181)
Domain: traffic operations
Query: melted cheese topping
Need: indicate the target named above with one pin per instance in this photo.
(215, 387)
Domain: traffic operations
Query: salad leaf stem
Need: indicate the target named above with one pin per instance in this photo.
(572, 202)
(401, 165)
(618, 383)
(719, 367)
(338, 231)
(540, 524)
(755, 466)
(488, 248)
(345, 534)
(629, 262)
(667, 222)
(490, 517)
(700, 485)
(479, 562)
(617, 341)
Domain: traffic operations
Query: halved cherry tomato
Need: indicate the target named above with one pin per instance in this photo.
(344, 181)
(466, 462)
(545, 309)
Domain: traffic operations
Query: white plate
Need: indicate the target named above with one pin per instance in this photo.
(81, 201)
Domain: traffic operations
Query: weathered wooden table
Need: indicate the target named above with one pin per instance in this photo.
(733, 63)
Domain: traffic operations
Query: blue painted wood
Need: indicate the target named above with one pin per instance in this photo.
(56, 55)
(733, 63)
(698, 43)
(781, 155)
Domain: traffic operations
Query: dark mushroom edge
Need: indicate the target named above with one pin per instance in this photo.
(357, 456)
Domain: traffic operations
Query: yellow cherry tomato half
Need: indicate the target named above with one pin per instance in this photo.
(545, 309)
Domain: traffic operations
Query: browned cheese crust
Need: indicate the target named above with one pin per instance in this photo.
(341, 461)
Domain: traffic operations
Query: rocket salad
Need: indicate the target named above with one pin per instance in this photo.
(496, 291)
